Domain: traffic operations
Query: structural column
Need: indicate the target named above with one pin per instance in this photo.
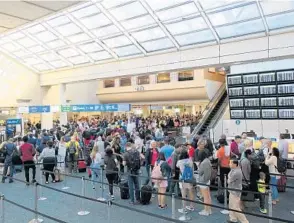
(62, 98)
(46, 118)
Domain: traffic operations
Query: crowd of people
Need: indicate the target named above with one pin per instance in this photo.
(122, 148)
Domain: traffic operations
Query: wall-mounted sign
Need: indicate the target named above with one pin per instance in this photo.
(156, 107)
(100, 108)
(139, 88)
(23, 110)
(16, 121)
(39, 109)
(54, 108)
(65, 108)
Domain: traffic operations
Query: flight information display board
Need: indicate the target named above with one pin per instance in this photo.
(261, 95)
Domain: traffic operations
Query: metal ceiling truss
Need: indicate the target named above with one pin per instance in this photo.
(262, 17)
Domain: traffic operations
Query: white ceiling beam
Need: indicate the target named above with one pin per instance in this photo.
(159, 23)
(47, 48)
(207, 21)
(262, 17)
(121, 28)
(95, 39)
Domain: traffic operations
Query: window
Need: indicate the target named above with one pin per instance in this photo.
(143, 80)
(109, 83)
(163, 77)
(186, 76)
(125, 81)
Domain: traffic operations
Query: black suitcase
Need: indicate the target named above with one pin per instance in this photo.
(146, 194)
(124, 190)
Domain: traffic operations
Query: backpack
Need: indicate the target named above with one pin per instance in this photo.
(165, 169)
(187, 174)
(134, 161)
(255, 161)
(72, 148)
(281, 165)
(156, 174)
(260, 155)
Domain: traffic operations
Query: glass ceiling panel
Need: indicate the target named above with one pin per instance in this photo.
(240, 29)
(32, 60)
(45, 36)
(157, 45)
(112, 3)
(78, 38)
(17, 35)
(272, 7)
(194, 38)
(21, 53)
(280, 21)
(68, 29)
(117, 41)
(187, 26)
(55, 44)
(78, 60)
(148, 34)
(36, 29)
(41, 67)
(127, 51)
(37, 49)
(48, 56)
(156, 5)
(58, 63)
(234, 15)
(177, 12)
(61, 20)
(128, 11)
(102, 55)
(10, 47)
(138, 22)
(26, 42)
(105, 31)
(96, 21)
(210, 4)
(90, 47)
(89, 10)
(68, 52)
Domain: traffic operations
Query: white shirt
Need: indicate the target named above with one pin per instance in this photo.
(97, 159)
(47, 153)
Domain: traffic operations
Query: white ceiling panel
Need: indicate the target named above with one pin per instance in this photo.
(45, 36)
(26, 42)
(36, 29)
(157, 45)
(68, 52)
(68, 29)
(195, 38)
(11, 47)
(32, 60)
(106, 31)
(58, 63)
(96, 21)
(148, 34)
(90, 47)
(117, 41)
(127, 11)
(138, 22)
(78, 38)
(48, 56)
(187, 26)
(127, 51)
(41, 67)
(113, 3)
(78, 60)
(58, 21)
(37, 49)
(102, 55)
(21, 53)
(87, 11)
(56, 44)
(156, 5)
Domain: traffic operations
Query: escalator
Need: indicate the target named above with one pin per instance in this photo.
(215, 109)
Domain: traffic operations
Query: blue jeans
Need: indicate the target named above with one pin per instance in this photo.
(5, 170)
(95, 168)
(275, 194)
(133, 181)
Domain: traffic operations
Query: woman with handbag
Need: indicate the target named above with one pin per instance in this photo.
(111, 170)
(95, 165)
(49, 161)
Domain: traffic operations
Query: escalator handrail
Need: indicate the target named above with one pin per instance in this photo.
(209, 107)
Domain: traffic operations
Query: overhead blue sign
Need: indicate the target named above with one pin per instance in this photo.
(39, 109)
(100, 108)
(16, 121)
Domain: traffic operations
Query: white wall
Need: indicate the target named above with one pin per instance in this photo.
(17, 82)
(257, 48)
(82, 92)
(212, 88)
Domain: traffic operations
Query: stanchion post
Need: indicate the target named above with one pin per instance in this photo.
(2, 218)
(270, 206)
(83, 213)
(109, 203)
(225, 211)
(36, 218)
(65, 187)
(173, 206)
(41, 198)
(102, 185)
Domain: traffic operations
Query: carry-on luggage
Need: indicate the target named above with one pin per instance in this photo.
(124, 190)
(281, 185)
(82, 167)
(146, 194)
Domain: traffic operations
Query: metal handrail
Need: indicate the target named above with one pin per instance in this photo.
(210, 107)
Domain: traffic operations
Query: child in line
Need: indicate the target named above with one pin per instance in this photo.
(262, 189)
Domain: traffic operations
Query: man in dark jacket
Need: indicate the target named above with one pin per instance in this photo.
(9, 151)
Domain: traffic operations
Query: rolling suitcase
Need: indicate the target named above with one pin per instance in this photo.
(281, 185)
(124, 190)
(82, 165)
(146, 194)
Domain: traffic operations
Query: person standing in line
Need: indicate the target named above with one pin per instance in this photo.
(151, 157)
(49, 160)
(224, 160)
(235, 182)
(111, 170)
(283, 147)
(131, 159)
(72, 152)
(9, 150)
(262, 189)
(96, 159)
(27, 152)
(272, 162)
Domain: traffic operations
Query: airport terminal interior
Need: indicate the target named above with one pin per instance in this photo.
(127, 111)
